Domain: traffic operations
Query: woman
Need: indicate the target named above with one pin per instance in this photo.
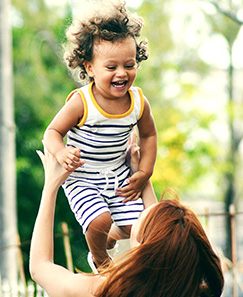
(170, 256)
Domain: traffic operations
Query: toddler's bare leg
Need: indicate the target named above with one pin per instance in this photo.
(117, 233)
(96, 236)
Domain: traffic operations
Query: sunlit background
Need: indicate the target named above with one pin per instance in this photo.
(193, 81)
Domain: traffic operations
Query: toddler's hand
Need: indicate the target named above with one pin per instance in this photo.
(70, 158)
(135, 186)
(55, 174)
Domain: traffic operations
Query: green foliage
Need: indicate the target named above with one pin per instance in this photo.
(41, 84)
(186, 150)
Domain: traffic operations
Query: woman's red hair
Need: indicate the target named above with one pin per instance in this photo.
(174, 258)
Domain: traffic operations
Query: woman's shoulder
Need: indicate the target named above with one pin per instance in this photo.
(84, 285)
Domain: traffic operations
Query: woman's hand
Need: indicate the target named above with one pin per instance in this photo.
(54, 172)
(133, 154)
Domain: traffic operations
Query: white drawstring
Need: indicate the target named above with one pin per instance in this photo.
(106, 174)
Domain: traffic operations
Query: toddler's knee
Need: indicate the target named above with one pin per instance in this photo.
(102, 223)
(126, 230)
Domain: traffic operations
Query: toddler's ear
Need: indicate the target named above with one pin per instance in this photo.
(89, 68)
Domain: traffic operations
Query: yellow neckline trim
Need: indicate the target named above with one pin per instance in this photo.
(104, 113)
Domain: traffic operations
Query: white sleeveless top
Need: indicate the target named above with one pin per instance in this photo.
(102, 137)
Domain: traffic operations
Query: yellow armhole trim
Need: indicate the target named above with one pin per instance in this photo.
(85, 105)
(142, 102)
(111, 116)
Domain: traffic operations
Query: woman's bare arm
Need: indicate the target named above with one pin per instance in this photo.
(56, 280)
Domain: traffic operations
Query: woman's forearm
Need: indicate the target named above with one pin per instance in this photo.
(148, 195)
(42, 239)
(55, 279)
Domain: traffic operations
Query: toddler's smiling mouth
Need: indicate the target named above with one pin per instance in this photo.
(119, 83)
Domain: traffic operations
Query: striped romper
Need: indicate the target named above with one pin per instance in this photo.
(103, 140)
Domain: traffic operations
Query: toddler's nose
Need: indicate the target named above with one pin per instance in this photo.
(121, 72)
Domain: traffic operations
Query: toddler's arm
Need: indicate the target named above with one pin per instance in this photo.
(68, 117)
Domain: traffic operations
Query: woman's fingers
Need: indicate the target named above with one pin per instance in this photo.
(42, 156)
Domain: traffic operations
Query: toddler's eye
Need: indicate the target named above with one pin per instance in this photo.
(111, 67)
(129, 66)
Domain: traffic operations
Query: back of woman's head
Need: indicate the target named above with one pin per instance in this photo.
(175, 246)
(174, 258)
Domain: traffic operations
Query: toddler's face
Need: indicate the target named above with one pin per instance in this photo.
(113, 67)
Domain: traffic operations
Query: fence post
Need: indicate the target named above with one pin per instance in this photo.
(1, 291)
(67, 246)
(206, 220)
(233, 247)
(21, 265)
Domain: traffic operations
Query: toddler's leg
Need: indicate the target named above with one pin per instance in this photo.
(96, 236)
(117, 233)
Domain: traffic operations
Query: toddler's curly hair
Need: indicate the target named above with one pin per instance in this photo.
(103, 20)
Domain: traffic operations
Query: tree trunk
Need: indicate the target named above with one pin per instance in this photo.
(233, 151)
(8, 225)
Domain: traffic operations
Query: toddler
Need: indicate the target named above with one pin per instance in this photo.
(98, 119)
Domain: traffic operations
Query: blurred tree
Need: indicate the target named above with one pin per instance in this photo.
(226, 23)
(183, 157)
(41, 85)
(8, 223)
